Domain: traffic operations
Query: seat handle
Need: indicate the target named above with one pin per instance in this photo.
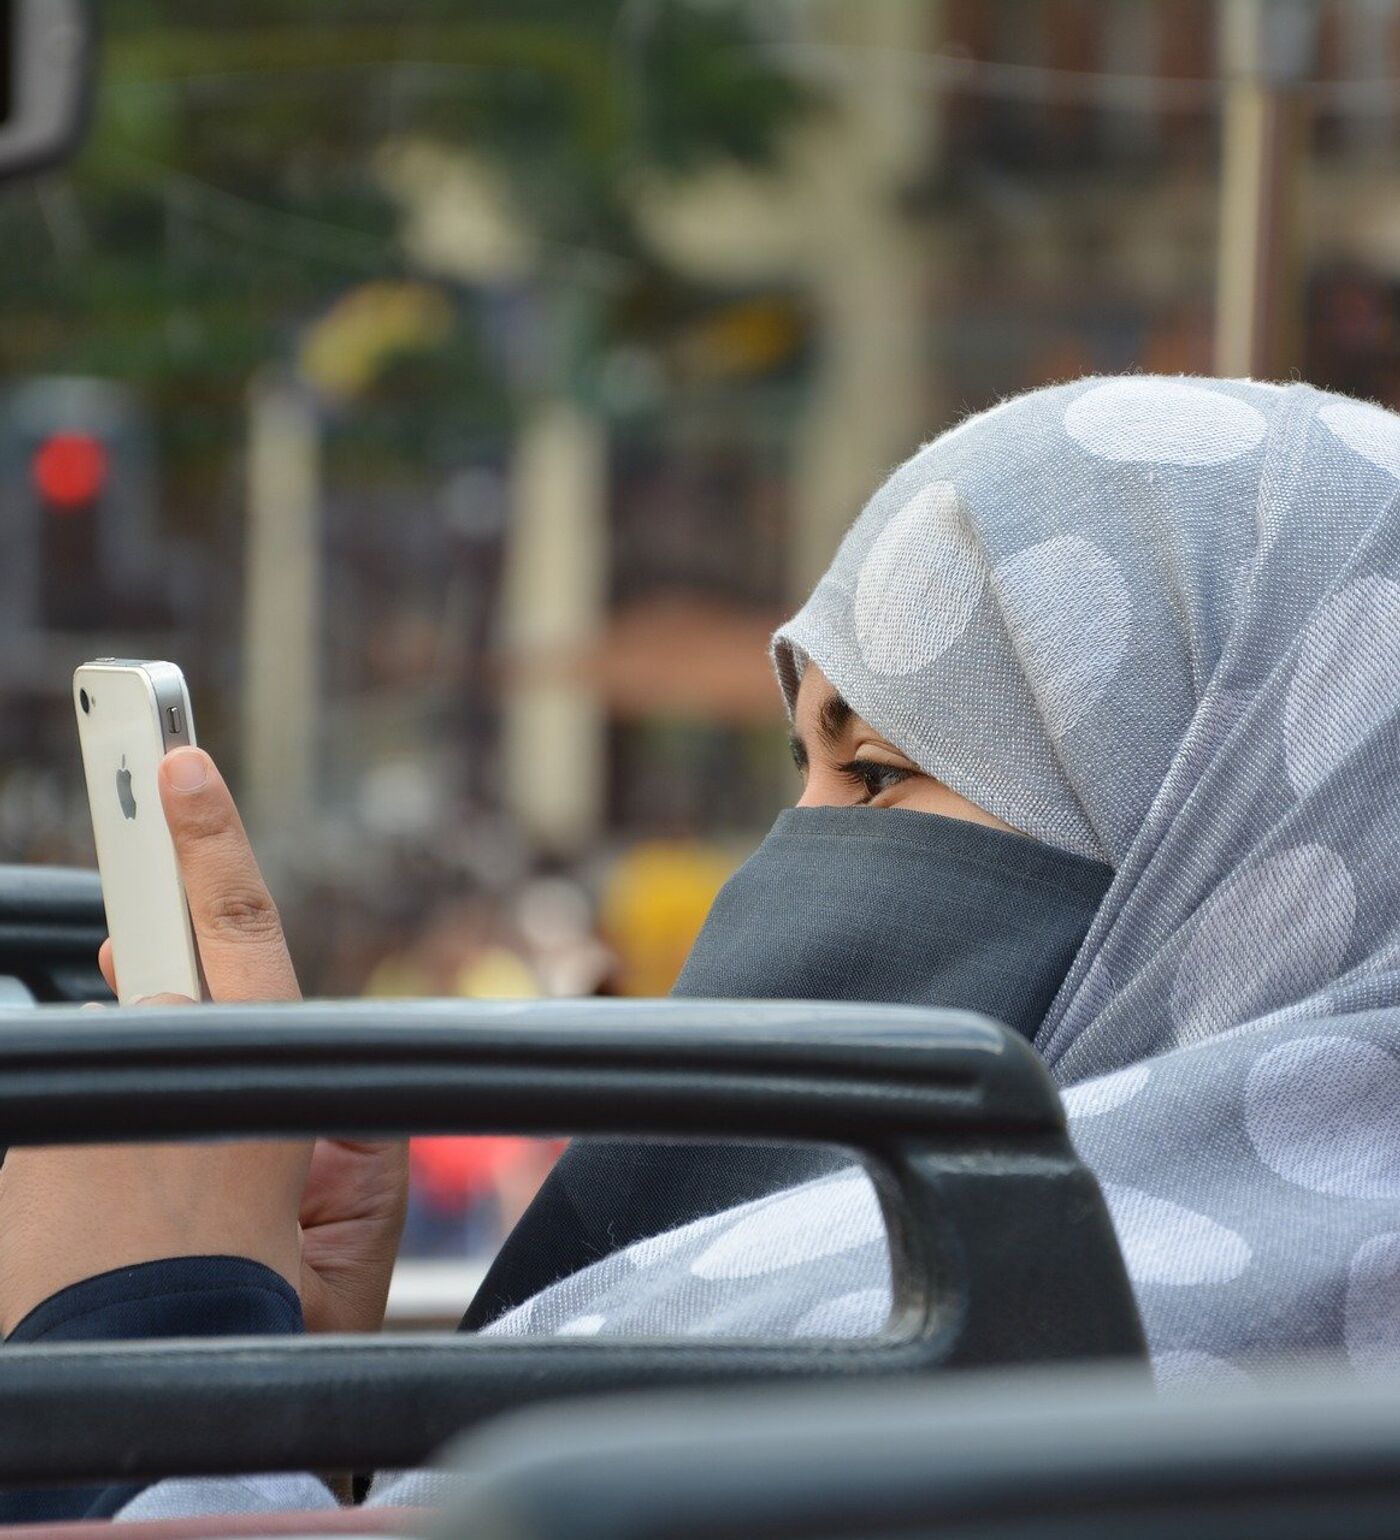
(1002, 1247)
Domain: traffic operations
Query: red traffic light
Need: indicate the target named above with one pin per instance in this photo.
(69, 470)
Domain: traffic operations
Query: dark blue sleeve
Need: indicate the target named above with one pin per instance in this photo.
(179, 1297)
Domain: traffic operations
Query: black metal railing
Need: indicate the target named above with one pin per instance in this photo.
(1002, 1248)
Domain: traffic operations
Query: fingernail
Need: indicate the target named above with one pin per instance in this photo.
(93, 1005)
(186, 769)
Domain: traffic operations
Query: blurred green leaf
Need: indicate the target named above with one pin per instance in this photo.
(227, 195)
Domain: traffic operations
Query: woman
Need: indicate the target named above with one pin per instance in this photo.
(1137, 640)
(1153, 624)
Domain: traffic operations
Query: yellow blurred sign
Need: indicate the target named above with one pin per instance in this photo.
(341, 354)
(653, 905)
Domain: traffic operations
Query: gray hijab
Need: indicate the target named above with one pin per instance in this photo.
(1157, 622)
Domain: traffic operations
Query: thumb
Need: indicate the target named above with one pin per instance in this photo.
(235, 920)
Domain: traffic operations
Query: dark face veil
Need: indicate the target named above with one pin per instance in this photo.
(838, 903)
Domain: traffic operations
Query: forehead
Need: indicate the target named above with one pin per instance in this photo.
(812, 690)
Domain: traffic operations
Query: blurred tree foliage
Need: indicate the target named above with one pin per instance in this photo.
(227, 193)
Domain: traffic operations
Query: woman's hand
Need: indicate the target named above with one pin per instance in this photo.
(67, 1214)
(352, 1214)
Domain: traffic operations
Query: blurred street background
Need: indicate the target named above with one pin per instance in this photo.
(461, 391)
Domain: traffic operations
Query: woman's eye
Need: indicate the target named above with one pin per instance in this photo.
(872, 777)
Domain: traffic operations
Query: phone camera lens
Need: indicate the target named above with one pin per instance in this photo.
(84, 702)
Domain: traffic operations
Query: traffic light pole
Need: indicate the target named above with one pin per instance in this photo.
(282, 618)
(553, 599)
(1266, 47)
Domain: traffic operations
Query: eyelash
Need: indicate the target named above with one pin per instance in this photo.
(871, 776)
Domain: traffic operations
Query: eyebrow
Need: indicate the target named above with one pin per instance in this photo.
(832, 720)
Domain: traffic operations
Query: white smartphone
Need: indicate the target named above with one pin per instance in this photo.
(130, 714)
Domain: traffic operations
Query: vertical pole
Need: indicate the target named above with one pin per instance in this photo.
(1266, 47)
(282, 615)
(552, 612)
(871, 276)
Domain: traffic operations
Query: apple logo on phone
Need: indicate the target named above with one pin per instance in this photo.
(124, 796)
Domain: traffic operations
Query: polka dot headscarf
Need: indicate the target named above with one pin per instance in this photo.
(1156, 622)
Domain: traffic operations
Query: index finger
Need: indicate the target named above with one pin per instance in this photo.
(236, 923)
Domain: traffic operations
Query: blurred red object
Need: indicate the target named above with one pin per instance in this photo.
(70, 469)
(453, 1172)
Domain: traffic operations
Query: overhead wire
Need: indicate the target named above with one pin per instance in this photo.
(955, 70)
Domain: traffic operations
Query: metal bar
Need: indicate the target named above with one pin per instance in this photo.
(789, 1071)
(85, 1411)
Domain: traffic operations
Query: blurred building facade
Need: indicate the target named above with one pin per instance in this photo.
(474, 466)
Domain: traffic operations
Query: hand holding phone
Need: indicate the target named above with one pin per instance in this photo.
(187, 909)
(329, 1223)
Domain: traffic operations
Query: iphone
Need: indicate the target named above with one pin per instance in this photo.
(130, 714)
